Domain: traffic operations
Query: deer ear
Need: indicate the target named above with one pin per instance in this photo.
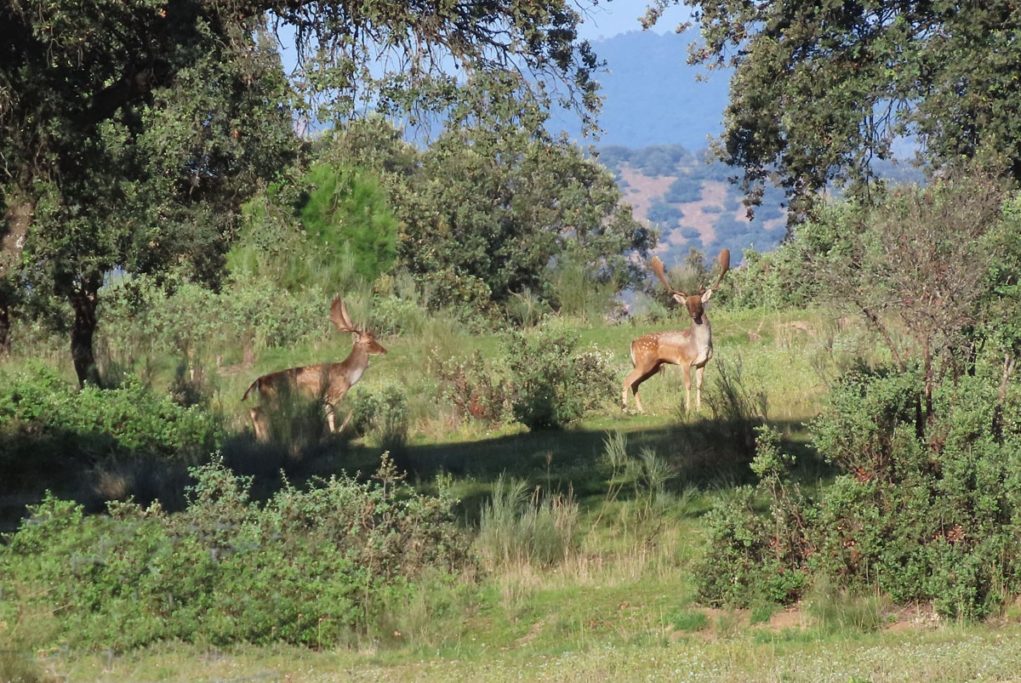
(707, 294)
(679, 297)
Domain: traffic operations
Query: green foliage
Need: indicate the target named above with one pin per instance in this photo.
(551, 385)
(42, 417)
(827, 105)
(328, 229)
(840, 611)
(741, 567)
(382, 414)
(132, 132)
(866, 412)
(521, 526)
(917, 519)
(494, 202)
(312, 567)
(787, 277)
(737, 407)
(144, 179)
(139, 317)
(474, 388)
(577, 292)
(688, 620)
(347, 208)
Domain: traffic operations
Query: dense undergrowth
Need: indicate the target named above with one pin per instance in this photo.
(834, 466)
(315, 567)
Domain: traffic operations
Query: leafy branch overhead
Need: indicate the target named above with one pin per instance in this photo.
(823, 89)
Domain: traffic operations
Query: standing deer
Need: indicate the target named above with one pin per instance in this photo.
(691, 348)
(325, 381)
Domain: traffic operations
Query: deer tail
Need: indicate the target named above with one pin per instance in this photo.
(249, 389)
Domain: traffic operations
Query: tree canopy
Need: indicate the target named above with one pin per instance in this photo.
(131, 132)
(821, 89)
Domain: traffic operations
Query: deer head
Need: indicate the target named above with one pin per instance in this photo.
(693, 302)
(364, 339)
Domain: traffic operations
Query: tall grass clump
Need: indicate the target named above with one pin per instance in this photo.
(578, 294)
(523, 525)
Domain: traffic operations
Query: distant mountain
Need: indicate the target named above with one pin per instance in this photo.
(656, 119)
(692, 202)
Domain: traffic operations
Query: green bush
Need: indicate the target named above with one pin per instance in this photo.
(313, 567)
(926, 511)
(742, 566)
(382, 414)
(43, 417)
(551, 385)
(474, 388)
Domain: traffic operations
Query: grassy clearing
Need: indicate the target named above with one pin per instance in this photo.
(614, 596)
(946, 654)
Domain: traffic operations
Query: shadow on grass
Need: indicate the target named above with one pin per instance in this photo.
(704, 454)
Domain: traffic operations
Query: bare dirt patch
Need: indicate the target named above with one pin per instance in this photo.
(643, 190)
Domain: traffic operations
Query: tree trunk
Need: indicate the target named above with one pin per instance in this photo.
(5, 326)
(83, 332)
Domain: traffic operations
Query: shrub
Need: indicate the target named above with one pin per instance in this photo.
(381, 413)
(741, 566)
(43, 417)
(473, 388)
(921, 512)
(311, 567)
(551, 386)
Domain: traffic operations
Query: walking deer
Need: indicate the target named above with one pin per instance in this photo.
(690, 348)
(328, 382)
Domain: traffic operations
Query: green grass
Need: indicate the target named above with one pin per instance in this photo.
(946, 654)
(619, 604)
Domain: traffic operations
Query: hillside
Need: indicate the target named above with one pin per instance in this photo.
(692, 201)
(658, 115)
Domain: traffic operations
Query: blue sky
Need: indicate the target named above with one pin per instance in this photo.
(607, 19)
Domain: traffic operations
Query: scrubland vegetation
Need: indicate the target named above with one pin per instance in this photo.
(491, 504)
(847, 505)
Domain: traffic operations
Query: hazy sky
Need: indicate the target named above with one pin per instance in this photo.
(619, 16)
(606, 19)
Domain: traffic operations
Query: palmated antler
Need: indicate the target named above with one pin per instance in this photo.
(657, 267)
(341, 320)
(724, 261)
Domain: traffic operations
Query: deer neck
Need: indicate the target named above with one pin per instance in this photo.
(702, 336)
(354, 365)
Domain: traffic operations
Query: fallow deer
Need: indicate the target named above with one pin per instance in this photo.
(690, 348)
(328, 382)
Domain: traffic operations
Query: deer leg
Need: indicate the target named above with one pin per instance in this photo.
(330, 416)
(698, 388)
(633, 381)
(346, 420)
(687, 388)
(259, 424)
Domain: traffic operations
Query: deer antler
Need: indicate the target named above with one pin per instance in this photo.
(657, 267)
(341, 320)
(724, 261)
